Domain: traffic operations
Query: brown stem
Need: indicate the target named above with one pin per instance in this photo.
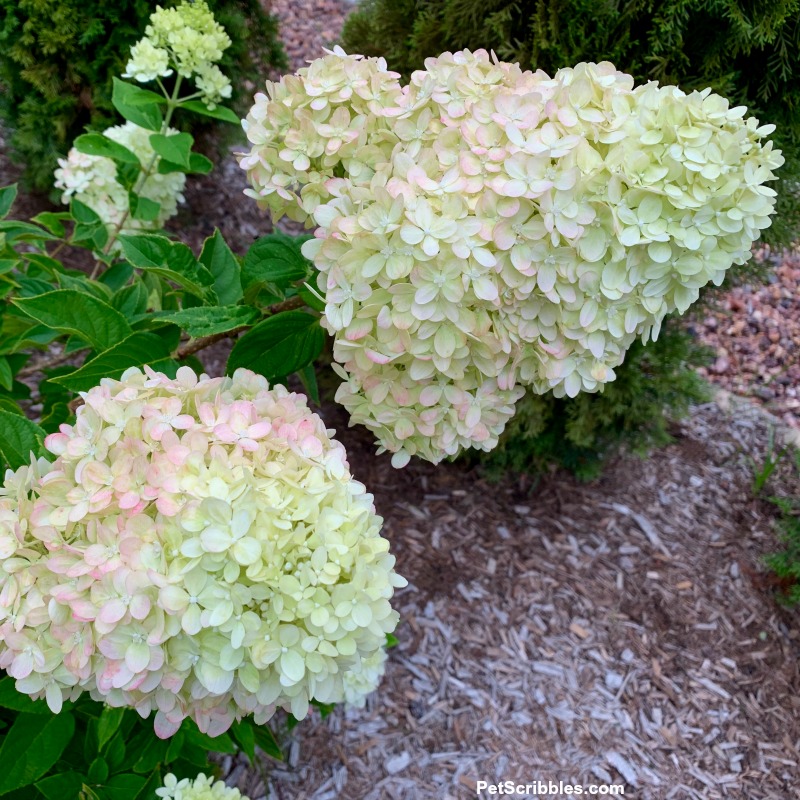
(201, 343)
(54, 361)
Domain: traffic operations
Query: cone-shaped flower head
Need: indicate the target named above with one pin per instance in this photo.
(485, 229)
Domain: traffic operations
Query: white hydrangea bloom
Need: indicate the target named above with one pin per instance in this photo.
(198, 549)
(201, 788)
(359, 684)
(93, 181)
(485, 229)
(188, 38)
(147, 62)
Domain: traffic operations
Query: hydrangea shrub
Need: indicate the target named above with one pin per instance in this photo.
(485, 229)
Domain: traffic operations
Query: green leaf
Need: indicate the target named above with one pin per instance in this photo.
(16, 701)
(265, 740)
(154, 754)
(117, 276)
(197, 163)
(54, 222)
(82, 213)
(275, 259)
(6, 375)
(24, 231)
(279, 345)
(96, 144)
(98, 770)
(19, 437)
(31, 747)
(220, 112)
(138, 105)
(125, 786)
(7, 196)
(175, 747)
(138, 349)
(143, 207)
(219, 744)
(175, 148)
(206, 321)
(64, 786)
(73, 312)
(131, 301)
(115, 752)
(245, 736)
(10, 405)
(171, 260)
(108, 724)
(325, 709)
(308, 377)
(391, 640)
(220, 261)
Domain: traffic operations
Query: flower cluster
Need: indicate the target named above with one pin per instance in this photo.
(485, 229)
(93, 181)
(201, 788)
(359, 684)
(188, 38)
(198, 548)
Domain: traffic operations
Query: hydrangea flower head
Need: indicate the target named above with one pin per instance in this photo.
(201, 788)
(188, 38)
(486, 229)
(199, 549)
(93, 181)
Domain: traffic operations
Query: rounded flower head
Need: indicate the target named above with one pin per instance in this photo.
(198, 549)
(93, 181)
(201, 788)
(485, 229)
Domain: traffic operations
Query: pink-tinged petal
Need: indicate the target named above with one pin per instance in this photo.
(311, 446)
(128, 500)
(259, 430)
(139, 606)
(377, 358)
(112, 611)
(83, 610)
(225, 433)
(183, 422)
(164, 727)
(177, 454)
(56, 443)
(167, 505)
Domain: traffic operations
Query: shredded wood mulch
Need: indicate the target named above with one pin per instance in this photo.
(618, 632)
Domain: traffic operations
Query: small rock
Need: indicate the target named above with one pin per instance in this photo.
(722, 364)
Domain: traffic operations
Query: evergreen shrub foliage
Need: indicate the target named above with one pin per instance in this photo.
(57, 59)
